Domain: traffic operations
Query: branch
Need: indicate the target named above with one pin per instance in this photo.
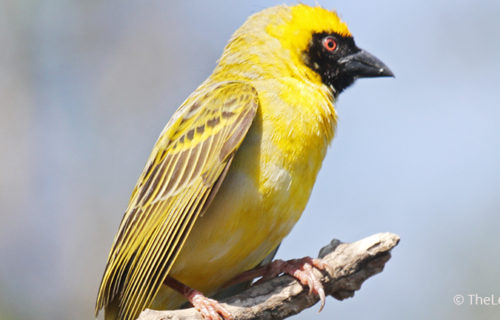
(350, 265)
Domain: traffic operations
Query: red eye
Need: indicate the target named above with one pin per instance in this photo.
(330, 44)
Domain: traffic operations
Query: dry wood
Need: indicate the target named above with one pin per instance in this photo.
(350, 264)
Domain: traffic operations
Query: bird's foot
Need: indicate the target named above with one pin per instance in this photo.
(210, 309)
(300, 269)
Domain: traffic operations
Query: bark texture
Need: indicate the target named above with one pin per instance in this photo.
(350, 264)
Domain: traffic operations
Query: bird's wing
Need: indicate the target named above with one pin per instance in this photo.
(182, 175)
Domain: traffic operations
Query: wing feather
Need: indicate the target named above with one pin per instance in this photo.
(185, 170)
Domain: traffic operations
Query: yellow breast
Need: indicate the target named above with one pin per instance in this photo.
(265, 191)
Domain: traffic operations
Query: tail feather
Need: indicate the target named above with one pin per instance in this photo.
(111, 310)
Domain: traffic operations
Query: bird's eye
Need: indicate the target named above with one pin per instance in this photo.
(329, 43)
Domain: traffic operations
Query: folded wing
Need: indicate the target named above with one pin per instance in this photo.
(182, 175)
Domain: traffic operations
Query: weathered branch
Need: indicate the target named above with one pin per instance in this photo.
(350, 265)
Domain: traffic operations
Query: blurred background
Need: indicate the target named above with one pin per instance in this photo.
(87, 86)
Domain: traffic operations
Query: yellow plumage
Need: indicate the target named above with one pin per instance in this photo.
(233, 169)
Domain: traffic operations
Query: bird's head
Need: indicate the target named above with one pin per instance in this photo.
(319, 39)
(311, 40)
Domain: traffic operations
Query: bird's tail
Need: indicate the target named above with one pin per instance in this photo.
(111, 310)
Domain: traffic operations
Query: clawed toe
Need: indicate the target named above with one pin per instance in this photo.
(210, 309)
(303, 271)
(300, 269)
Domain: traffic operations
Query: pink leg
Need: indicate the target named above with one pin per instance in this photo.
(300, 269)
(210, 309)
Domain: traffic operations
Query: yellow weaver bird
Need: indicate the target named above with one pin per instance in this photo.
(234, 167)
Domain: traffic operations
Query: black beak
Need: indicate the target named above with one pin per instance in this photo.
(364, 65)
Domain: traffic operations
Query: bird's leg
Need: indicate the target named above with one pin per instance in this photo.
(300, 269)
(210, 309)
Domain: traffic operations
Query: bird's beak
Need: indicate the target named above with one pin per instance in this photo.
(364, 65)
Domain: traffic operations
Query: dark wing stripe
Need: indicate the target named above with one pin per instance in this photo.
(146, 188)
(118, 276)
(217, 184)
(170, 163)
(173, 180)
(164, 257)
(183, 174)
(162, 236)
(166, 206)
(171, 231)
(139, 224)
(235, 136)
(131, 290)
(152, 259)
(167, 191)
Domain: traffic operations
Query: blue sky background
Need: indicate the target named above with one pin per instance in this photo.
(87, 86)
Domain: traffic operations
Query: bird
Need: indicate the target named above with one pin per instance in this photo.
(233, 169)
